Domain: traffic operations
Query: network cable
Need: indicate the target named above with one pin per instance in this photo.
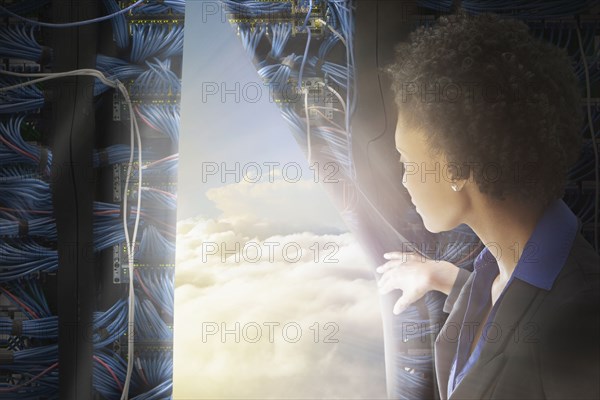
(161, 7)
(119, 23)
(134, 137)
(19, 41)
(592, 136)
(4, 10)
(22, 151)
(151, 40)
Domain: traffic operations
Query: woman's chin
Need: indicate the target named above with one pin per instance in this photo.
(431, 228)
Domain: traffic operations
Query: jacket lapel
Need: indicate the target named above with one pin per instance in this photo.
(517, 299)
(447, 340)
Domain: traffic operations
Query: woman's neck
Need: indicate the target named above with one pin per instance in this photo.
(504, 227)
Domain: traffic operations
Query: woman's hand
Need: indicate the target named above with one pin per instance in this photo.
(415, 276)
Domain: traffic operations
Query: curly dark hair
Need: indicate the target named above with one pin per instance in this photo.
(495, 100)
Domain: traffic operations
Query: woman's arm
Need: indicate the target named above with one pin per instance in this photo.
(415, 276)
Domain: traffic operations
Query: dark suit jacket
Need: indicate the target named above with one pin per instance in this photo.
(544, 345)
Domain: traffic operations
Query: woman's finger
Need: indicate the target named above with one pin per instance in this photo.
(395, 255)
(383, 268)
(383, 279)
(400, 305)
(391, 264)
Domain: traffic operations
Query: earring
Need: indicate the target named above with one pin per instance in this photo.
(455, 187)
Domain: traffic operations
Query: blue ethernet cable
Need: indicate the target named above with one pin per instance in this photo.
(168, 7)
(35, 310)
(149, 324)
(155, 246)
(280, 35)
(119, 23)
(8, 156)
(159, 282)
(110, 326)
(157, 393)
(19, 191)
(304, 28)
(18, 41)
(152, 40)
(11, 139)
(6, 11)
(104, 380)
(588, 48)
(28, 290)
(158, 80)
(115, 68)
(162, 117)
(158, 199)
(116, 154)
(251, 37)
(116, 311)
(27, 257)
(257, 8)
(166, 167)
(523, 10)
(108, 231)
(33, 357)
(278, 76)
(41, 328)
(45, 386)
(24, 99)
(28, 357)
(335, 72)
(584, 167)
(157, 366)
(25, 7)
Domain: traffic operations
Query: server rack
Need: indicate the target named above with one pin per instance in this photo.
(87, 224)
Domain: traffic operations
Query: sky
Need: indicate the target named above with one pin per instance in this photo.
(274, 298)
(227, 114)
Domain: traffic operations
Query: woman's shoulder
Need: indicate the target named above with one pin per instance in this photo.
(575, 295)
(580, 276)
(572, 310)
(584, 255)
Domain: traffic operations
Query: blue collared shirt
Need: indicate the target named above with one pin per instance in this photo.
(542, 259)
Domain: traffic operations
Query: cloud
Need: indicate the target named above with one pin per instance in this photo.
(277, 202)
(289, 313)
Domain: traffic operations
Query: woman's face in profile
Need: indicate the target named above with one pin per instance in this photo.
(427, 179)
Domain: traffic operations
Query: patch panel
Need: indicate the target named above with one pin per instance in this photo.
(94, 118)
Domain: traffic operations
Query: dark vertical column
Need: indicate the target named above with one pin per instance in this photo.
(380, 25)
(72, 133)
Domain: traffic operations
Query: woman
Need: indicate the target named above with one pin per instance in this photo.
(488, 126)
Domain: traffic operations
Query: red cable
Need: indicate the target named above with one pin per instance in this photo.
(16, 300)
(35, 378)
(18, 150)
(145, 289)
(162, 191)
(110, 371)
(22, 209)
(137, 110)
(153, 163)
